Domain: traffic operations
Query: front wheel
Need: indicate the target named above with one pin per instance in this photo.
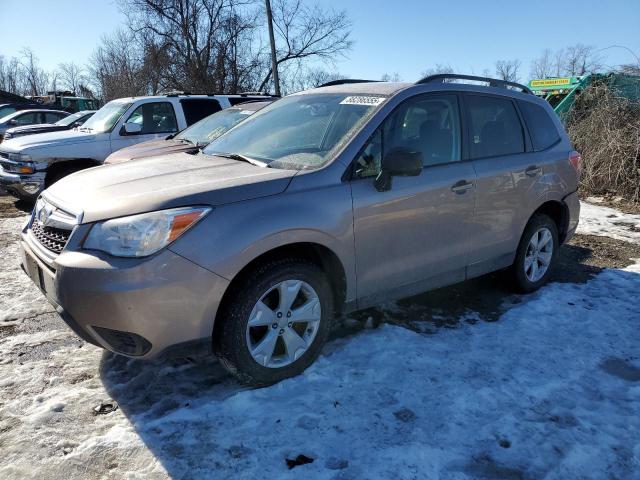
(536, 255)
(276, 322)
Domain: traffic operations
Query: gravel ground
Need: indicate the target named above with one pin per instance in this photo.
(50, 383)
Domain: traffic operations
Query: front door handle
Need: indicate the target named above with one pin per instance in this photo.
(533, 171)
(461, 187)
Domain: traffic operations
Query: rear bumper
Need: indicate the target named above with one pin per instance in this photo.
(573, 207)
(134, 307)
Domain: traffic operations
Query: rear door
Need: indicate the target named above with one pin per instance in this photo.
(507, 184)
(416, 235)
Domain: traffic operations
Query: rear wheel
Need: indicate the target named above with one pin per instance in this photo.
(536, 255)
(276, 323)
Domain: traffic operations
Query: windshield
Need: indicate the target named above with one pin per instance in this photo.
(66, 121)
(105, 118)
(298, 132)
(211, 127)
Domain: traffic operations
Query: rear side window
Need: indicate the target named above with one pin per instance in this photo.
(494, 126)
(541, 127)
(197, 109)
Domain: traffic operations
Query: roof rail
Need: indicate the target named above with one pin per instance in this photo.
(345, 81)
(255, 94)
(493, 82)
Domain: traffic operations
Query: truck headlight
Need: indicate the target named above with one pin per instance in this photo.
(142, 235)
(19, 157)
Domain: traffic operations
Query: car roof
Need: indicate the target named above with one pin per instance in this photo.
(198, 96)
(368, 88)
(253, 106)
(38, 110)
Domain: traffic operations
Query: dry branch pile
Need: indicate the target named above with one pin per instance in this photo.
(605, 129)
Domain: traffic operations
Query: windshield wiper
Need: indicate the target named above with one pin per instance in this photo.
(242, 158)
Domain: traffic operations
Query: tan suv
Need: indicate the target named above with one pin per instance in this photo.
(323, 202)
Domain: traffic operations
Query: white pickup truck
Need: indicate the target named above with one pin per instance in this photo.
(32, 163)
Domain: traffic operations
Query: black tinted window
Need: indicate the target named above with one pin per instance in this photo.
(196, 109)
(541, 127)
(494, 126)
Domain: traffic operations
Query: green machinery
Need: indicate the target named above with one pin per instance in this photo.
(561, 92)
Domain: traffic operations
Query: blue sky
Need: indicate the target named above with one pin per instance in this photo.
(403, 36)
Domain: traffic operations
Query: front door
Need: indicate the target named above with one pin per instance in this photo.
(157, 119)
(417, 235)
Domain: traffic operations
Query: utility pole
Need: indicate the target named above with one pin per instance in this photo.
(274, 60)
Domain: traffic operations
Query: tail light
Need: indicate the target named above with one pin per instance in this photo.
(576, 160)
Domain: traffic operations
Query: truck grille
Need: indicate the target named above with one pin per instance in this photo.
(53, 239)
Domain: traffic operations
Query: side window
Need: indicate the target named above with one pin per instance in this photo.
(50, 117)
(157, 117)
(195, 110)
(541, 127)
(27, 118)
(494, 126)
(429, 124)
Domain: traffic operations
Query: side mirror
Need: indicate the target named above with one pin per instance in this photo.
(399, 162)
(13, 122)
(131, 128)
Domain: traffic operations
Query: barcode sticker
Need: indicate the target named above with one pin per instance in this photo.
(360, 100)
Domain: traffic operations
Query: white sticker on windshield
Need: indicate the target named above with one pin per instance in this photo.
(361, 100)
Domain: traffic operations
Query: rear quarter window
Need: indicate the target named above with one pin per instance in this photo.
(494, 126)
(541, 127)
(196, 109)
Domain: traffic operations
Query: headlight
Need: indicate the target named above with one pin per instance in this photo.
(19, 157)
(144, 234)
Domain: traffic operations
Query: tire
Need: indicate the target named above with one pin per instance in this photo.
(529, 257)
(234, 339)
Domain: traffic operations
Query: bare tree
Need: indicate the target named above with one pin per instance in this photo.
(508, 70)
(308, 33)
(544, 65)
(303, 79)
(116, 67)
(581, 59)
(71, 76)
(438, 68)
(10, 75)
(36, 79)
(394, 77)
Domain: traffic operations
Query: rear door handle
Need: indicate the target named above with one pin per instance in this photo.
(533, 171)
(461, 187)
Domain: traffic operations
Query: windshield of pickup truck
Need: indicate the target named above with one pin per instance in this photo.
(105, 118)
(298, 132)
(211, 127)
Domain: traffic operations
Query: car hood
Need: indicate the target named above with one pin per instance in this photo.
(39, 126)
(49, 139)
(149, 149)
(169, 181)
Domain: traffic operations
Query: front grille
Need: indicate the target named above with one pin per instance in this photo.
(53, 239)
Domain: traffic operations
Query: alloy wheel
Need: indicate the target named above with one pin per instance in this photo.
(283, 323)
(539, 254)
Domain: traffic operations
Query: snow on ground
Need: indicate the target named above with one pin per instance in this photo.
(609, 222)
(550, 390)
(25, 301)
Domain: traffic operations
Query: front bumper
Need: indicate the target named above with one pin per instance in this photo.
(23, 186)
(134, 307)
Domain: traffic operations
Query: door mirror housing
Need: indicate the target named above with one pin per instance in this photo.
(399, 162)
(131, 128)
(13, 122)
